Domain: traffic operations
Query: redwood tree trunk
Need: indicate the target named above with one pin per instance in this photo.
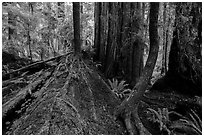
(117, 40)
(130, 103)
(11, 21)
(97, 11)
(76, 21)
(165, 33)
(29, 42)
(28, 31)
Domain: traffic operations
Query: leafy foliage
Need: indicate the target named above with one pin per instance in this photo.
(116, 86)
(187, 125)
(119, 88)
(191, 124)
(50, 26)
(162, 117)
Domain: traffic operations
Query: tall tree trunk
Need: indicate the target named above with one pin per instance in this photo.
(118, 66)
(127, 41)
(103, 33)
(130, 104)
(30, 5)
(118, 46)
(29, 43)
(167, 34)
(76, 21)
(97, 10)
(109, 59)
(138, 45)
(61, 15)
(146, 20)
(142, 35)
(12, 22)
(164, 69)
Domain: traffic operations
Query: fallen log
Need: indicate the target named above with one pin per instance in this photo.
(14, 107)
(31, 68)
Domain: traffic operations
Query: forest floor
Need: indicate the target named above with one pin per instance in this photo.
(70, 97)
(55, 101)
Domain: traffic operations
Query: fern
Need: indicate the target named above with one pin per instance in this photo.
(116, 86)
(126, 91)
(119, 88)
(189, 124)
(161, 117)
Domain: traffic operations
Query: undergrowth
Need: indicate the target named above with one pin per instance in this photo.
(190, 124)
(119, 88)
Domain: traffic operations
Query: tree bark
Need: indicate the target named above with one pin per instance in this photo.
(138, 44)
(118, 46)
(76, 21)
(97, 14)
(28, 32)
(29, 42)
(11, 21)
(164, 66)
(109, 59)
(130, 103)
(137, 62)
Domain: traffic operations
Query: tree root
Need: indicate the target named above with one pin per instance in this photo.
(128, 124)
(134, 126)
(141, 129)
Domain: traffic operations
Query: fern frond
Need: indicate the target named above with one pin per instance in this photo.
(175, 113)
(160, 113)
(186, 126)
(166, 114)
(155, 112)
(121, 85)
(181, 126)
(126, 91)
(116, 86)
(193, 123)
(196, 119)
(112, 84)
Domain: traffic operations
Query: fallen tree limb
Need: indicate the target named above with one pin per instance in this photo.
(34, 67)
